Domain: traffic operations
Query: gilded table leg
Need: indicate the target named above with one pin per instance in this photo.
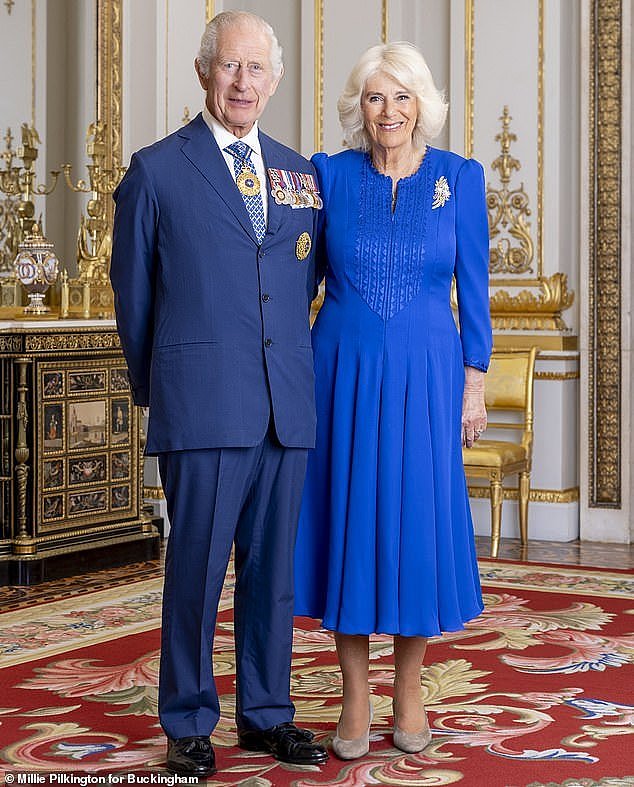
(23, 543)
(524, 490)
(496, 513)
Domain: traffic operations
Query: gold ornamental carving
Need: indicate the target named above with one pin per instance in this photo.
(604, 280)
(22, 451)
(508, 210)
(539, 305)
(11, 344)
(72, 341)
(9, 230)
(570, 495)
(530, 311)
(557, 375)
(114, 530)
(153, 493)
(8, 233)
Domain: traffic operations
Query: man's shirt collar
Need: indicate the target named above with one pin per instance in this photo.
(225, 138)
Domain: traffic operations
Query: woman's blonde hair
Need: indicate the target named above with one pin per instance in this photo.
(403, 62)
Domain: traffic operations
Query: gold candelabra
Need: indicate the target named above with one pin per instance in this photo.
(19, 187)
(90, 293)
(20, 181)
(94, 239)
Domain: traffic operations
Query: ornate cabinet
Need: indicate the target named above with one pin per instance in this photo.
(71, 453)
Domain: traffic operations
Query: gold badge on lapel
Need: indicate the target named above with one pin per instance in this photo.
(248, 183)
(302, 246)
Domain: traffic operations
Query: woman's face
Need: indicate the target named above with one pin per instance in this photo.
(389, 111)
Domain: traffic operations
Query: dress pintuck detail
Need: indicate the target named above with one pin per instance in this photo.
(388, 268)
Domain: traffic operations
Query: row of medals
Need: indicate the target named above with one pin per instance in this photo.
(249, 185)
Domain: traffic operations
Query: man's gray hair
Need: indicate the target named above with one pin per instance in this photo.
(220, 22)
(404, 63)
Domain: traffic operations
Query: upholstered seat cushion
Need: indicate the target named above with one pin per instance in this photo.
(494, 453)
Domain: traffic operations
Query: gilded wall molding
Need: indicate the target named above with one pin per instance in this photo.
(319, 75)
(604, 280)
(469, 34)
(570, 495)
(540, 138)
(509, 210)
(318, 66)
(210, 10)
(557, 375)
(109, 75)
(384, 21)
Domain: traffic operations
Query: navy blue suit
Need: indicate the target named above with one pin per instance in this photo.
(215, 331)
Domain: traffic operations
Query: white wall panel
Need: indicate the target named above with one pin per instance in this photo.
(15, 66)
(282, 117)
(185, 24)
(349, 29)
(505, 73)
(427, 25)
(141, 76)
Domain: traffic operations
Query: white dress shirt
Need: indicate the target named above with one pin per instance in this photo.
(225, 138)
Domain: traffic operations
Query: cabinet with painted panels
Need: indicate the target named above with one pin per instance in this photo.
(71, 453)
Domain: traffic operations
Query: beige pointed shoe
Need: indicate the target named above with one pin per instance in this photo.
(356, 747)
(412, 742)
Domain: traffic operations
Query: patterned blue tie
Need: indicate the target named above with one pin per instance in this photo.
(241, 153)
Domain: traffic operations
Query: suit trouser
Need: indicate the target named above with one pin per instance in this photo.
(250, 496)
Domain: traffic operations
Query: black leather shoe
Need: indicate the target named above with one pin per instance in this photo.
(285, 742)
(192, 756)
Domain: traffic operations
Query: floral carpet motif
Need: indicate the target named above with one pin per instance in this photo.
(538, 690)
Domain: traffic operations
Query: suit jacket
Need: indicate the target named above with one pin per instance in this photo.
(213, 326)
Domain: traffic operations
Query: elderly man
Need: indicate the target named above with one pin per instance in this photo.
(213, 274)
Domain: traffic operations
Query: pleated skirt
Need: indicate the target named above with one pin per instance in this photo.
(385, 539)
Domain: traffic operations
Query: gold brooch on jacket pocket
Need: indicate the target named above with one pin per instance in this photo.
(303, 246)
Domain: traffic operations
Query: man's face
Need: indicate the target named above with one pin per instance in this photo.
(240, 80)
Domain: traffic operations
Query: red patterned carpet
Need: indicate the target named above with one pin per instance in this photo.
(539, 690)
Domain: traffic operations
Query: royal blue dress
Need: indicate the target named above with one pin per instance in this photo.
(385, 540)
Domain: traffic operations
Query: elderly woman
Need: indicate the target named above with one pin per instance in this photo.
(385, 542)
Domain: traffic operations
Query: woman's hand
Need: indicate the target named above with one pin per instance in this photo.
(474, 414)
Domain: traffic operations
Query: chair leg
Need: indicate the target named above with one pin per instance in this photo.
(496, 515)
(524, 490)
